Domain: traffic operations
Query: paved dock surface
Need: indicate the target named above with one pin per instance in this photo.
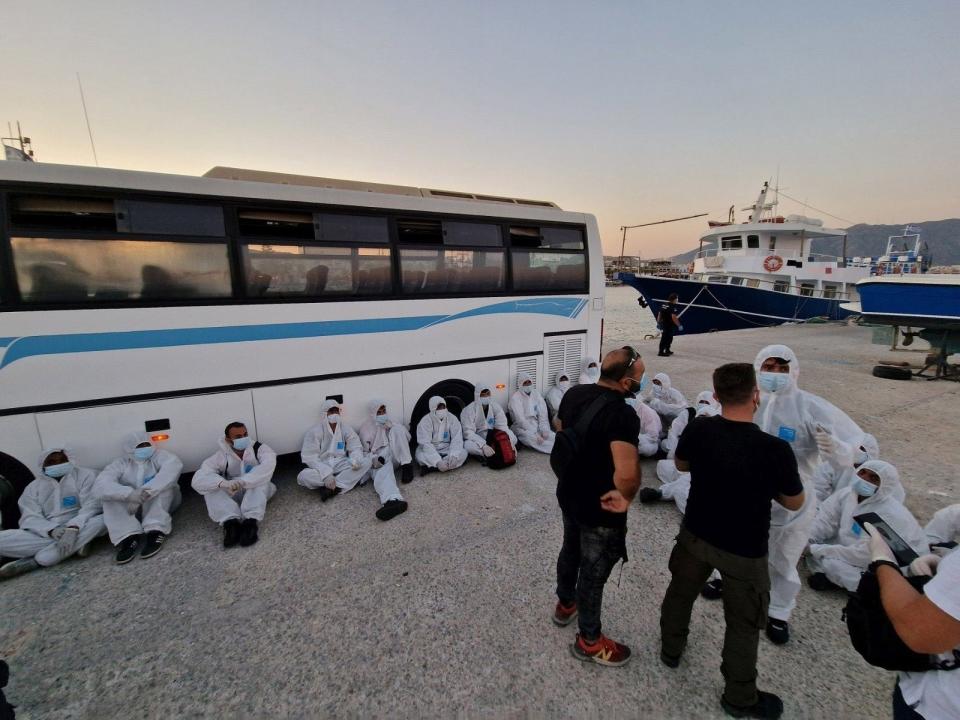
(445, 611)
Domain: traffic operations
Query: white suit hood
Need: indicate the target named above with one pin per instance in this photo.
(890, 485)
(131, 440)
(47, 453)
(481, 387)
(589, 375)
(779, 351)
(664, 381)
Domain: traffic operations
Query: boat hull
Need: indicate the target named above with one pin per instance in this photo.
(709, 307)
(921, 303)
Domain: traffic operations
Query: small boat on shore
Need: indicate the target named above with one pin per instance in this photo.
(759, 273)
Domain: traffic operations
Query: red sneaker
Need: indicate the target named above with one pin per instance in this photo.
(603, 652)
(563, 615)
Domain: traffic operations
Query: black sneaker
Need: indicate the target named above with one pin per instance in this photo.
(326, 493)
(778, 631)
(406, 473)
(820, 582)
(669, 660)
(713, 590)
(231, 532)
(767, 705)
(18, 567)
(127, 549)
(390, 509)
(426, 470)
(153, 544)
(650, 495)
(249, 532)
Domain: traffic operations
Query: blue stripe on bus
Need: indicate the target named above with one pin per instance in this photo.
(6, 341)
(34, 345)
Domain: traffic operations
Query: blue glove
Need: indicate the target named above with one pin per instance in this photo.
(659, 326)
(679, 328)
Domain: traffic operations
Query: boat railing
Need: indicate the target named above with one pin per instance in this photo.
(784, 254)
(782, 286)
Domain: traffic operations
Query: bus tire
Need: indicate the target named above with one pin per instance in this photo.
(457, 394)
(891, 372)
(14, 477)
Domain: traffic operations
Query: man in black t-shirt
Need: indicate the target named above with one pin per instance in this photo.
(736, 469)
(594, 496)
(669, 322)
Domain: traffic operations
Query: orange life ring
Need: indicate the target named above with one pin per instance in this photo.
(772, 263)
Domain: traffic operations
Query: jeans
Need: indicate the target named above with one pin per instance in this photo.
(746, 595)
(586, 559)
(902, 711)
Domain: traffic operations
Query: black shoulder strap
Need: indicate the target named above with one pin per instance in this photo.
(691, 414)
(256, 450)
(583, 424)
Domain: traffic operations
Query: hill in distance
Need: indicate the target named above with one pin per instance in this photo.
(941, 236)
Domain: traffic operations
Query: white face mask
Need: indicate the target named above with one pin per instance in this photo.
(657, 390)
(381, 419)
(864, 488)
(333, 419)
(527, 389)
(564, 384)
(485, 401)
(773, 381)
(441, 413)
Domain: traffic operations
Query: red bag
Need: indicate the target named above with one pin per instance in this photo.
(503, 453)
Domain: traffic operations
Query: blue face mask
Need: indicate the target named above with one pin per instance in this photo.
(58, 471)
(642, 383)
(863, 488)
(772, 381)
(143, 453)
(241, 443)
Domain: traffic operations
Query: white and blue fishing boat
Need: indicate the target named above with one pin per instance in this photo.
(759, 273)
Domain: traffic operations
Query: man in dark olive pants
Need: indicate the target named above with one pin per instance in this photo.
(736, 470)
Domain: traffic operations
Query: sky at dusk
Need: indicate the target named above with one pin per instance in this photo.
(632, 111)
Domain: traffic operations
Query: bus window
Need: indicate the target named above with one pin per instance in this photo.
(137, 216)
(65, 213)
(422, 232)
(51, 270)
(255, 222)
(546, 237)
(475, 234)
(451, 271)
(351, 228)
(316, 270)
(549, 270)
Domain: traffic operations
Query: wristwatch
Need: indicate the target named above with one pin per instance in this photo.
(872, 567)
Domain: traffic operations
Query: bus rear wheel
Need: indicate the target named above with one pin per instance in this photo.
(457, 394)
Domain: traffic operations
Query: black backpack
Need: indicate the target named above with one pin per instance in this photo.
(874, 637)
(567, 444)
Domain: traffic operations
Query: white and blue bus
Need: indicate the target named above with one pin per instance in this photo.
(174, 304)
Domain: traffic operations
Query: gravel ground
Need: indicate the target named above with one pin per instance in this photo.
(444, 611)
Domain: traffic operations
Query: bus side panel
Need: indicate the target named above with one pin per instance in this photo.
(19, 439)
(598, 288)
(286, 412)
(417, 382)
(96, 433)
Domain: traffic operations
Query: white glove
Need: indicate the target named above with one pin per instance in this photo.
(879, 550)
(824, 442)
(924, 565)
(231, 486)
(136, 497)
(67, 540)
(487, 451)
(57, 533)
(354, 463)
(443, 466)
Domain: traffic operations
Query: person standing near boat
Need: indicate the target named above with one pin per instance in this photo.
(669, 321)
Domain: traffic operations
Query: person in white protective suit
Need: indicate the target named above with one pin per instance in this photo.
(439, 439)
(675, 485)
(386, 444)
(480, 417)
(943, 530)
(531, 423)
(554, 396)
(839, 547)
(333, 455)
(679, 424)
(648, 442)
(666, 400)
(59, 516)
(236, 484)
(139, 491)
(590, 372)
(830, 478)
(816, 430)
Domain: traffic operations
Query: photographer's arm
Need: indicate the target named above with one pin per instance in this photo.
(923, 626)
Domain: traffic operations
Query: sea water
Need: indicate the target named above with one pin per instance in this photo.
(624, 321)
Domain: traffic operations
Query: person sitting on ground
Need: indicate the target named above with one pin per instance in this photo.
(235, 484)
(139, 491)
(665, 399)
(59, 515)
(679, 424)
(480, 417)
(531, 422)
(675, 485)
(943, 530)
(332, 455)
(839, 548)
(830, 478)
(555, 395)
(439, 439)
(648, 443)
(590, 372)
(387, 444)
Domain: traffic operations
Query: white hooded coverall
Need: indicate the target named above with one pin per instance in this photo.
(440, 442)
(531, 422)
(588, 374)
(389, 442)
(254, 471)
(124, 478)
(944, 526)
(793, 415)
(665, 399)
(648, 441)
(477, 420)
(333, 456)
(675, 484)
(830, 478)
(839, 547)
(47, 504)
(679, 423)
(554, 394)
